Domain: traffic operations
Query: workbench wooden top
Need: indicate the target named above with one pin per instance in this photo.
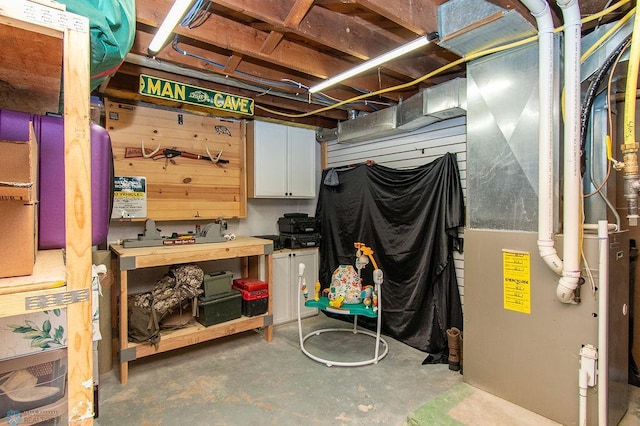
(141, 257)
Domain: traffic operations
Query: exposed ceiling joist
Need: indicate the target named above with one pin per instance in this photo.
(273, 50)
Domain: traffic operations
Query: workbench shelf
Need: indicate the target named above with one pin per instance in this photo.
(251, 251)
(42, 45)
(43, 290)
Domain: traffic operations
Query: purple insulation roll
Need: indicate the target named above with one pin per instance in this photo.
(50, 134)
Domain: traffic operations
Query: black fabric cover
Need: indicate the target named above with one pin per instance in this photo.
(410, 219)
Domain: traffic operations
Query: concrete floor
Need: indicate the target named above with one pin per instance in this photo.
(243, 380)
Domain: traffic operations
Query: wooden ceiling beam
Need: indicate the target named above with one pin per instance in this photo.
(297, 12)
(236, 37)
(232, 63)
(348, 34)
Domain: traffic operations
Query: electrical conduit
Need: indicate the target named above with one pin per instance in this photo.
(546, 245)
(630, 146)
(571, 177)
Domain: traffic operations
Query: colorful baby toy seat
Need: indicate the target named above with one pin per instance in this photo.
(346, 296)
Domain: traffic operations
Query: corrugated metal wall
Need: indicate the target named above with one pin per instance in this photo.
(407, 150)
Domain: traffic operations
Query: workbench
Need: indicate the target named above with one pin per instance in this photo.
(249, 250)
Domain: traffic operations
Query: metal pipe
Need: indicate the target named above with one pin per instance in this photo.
(604, 197)
(630, 147)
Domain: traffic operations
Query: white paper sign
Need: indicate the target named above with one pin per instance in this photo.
(129, 197)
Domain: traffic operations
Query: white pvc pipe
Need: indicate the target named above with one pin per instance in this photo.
(596, 226)
(301, 268)
(546, 245)
(583, 379)
(572, 196)
(603, 323)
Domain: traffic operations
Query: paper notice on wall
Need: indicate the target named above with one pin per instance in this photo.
(129, 197)
(516, 267)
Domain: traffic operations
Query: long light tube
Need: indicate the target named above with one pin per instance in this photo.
(372, 63)
(176, 13)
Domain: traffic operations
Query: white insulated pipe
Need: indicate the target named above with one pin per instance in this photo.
(546, 245)
(603, 323)
(572, 179)
(301, 268)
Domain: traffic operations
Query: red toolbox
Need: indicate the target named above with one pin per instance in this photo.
(249, 284)
(255, 302)
(255, 295)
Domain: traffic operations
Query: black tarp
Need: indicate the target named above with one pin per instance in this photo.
(410, 219)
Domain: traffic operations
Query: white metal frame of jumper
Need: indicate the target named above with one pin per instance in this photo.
(378, 355)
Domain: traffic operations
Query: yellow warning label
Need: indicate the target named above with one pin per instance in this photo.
(517, 280)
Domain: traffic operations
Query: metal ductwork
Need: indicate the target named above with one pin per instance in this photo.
(468, 26)
(437, 103)
(464, 26)
(371, 126)
(441, 102)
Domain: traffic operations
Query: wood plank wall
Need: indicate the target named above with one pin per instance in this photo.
(407, 150)
(182, 188)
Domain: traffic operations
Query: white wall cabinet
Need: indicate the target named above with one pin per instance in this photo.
(285, 283)
(281, 161)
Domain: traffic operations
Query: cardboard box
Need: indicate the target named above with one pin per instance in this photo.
(18, 198)
(19, 169)
(32, 332)
(17, 238)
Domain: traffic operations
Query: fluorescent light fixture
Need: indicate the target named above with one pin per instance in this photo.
(372, 63)
(174, 16)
